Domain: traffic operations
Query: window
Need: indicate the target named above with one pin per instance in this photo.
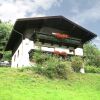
(71, 49)
(14, 57)
(18, 54)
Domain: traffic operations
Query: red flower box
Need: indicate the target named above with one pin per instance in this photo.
(61, 36)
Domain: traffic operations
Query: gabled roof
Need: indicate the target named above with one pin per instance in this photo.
(58, 22)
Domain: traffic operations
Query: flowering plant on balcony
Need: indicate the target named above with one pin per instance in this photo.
(60, 53)
(61, 36)
(63, 53)
(56, 52)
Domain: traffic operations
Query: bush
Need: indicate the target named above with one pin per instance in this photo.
(63, 69)
(39, 57)
(60, 70)
(76, 63)
(92, 69)
(53, 67)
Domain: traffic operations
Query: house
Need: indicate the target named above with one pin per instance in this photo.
(56, 34)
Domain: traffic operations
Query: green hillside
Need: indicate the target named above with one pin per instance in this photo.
(18, 84)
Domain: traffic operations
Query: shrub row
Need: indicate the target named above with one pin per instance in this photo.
(51, 66)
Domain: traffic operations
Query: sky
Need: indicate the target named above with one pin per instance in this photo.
(83, 12)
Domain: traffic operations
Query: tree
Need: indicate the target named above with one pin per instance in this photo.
(5, 30)
(92, 55)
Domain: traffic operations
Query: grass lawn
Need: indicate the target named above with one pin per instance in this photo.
(26, 85)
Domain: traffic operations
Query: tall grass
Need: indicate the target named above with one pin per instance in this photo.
(27, 85)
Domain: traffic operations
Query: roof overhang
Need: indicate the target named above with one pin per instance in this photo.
(57, 22)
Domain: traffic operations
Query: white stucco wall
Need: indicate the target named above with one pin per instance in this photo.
(79, 51)
(21, 59)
